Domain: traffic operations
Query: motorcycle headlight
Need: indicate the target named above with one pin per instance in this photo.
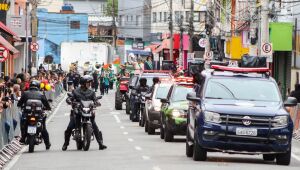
(280, 121)
(86, 110)
(212, 117)
(156, 108)
(28, 107)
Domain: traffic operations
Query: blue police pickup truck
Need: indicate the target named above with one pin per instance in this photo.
(239, 110)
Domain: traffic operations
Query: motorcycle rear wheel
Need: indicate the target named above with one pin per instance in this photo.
(87, 134)
(31, 143)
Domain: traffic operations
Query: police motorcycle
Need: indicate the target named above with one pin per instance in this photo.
(140, 101)
(34, 123)
(82, 112)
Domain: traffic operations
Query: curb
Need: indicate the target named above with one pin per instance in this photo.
(14, 147)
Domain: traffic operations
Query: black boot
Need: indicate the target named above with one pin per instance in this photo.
(65, 146)
(48, 145)
(102, 146)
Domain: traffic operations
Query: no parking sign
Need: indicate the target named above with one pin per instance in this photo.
(3, 53)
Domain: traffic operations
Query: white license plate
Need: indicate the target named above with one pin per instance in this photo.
(246, 132)
(31, 129)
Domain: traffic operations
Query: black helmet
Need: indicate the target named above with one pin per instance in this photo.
(34, 84)
(86, 79)
(155, 80)
(143, 81)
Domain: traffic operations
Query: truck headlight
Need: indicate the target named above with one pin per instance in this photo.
(212, 117)
(280, 121)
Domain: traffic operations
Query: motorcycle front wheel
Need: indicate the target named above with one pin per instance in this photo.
(87, 134)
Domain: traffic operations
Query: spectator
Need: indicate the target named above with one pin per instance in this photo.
(296, 92)
(148, 64)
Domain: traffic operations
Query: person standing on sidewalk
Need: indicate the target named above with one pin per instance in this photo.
(296, 92)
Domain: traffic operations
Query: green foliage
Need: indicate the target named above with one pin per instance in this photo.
(109, 8)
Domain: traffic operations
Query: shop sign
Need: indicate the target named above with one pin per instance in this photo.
(138, 45)
(4, 7)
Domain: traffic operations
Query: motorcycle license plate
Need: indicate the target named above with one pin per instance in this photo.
(31, 129)
(246, 132)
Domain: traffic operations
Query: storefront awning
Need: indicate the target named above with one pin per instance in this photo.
(139, 52)
(9, 31)
(7, 45)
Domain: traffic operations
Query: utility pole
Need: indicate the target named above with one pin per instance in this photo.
(34, 30)
(253, 26)
(26, 56)
(171, 30)
(191, 27)
(180, 61)
(264, 22)
(209, 25)
(114, 26)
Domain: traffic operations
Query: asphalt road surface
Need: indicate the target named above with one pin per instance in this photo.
(129, 148)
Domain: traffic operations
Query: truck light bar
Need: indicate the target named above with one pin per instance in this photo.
(241, 69)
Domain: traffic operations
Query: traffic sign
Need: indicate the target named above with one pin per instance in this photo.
(3, 53)
(266, 49)
(202, 42)
(34, 46)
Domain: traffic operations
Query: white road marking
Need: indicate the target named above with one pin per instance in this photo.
(115, 113)
(156, 168)
(138, 148)
(130, 140)
(296, 157)
(117, 119)
(17, 157)
(125, 133)
(122, 127)
(146, 158)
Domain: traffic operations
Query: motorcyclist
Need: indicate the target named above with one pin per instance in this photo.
(34, 93)
(142, 87)
(83, 93)
(155, 81)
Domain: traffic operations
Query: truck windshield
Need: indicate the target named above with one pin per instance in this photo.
(162, 92)
(242, 89)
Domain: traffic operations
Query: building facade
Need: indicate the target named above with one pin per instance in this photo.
(134, 20)
(55, 28)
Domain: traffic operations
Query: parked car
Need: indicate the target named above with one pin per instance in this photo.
(239, 110)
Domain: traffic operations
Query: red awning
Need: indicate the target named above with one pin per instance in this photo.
(9, 31)
(7, 45)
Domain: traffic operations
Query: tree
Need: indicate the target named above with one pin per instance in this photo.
(109, 8)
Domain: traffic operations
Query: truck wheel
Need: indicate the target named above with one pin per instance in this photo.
(118, 101)
(127, 107)
(151, 130)
(146, 126)
(199, 153)
(188, 148)
(269, 157)
(162, 132)
(284, 158)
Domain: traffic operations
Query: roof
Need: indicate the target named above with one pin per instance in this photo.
(8, 30)
(8, 46)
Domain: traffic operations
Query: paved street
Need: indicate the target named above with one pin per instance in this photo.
(128, 148)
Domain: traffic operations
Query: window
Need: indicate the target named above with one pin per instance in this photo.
(75, 24)
(131, 18)
(160, 16)
(165, 16)
(187, 16)
(196, 16)
(154, 17)
(178, 15)
(122, 20)
(202, 16)
(138, 20)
